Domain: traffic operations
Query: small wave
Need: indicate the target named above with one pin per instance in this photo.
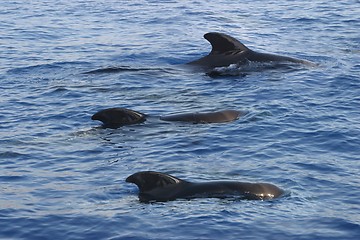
(10, 154)
(255, 116)
(251, 67)
(12, 178)
(231, 70)
(44, 67)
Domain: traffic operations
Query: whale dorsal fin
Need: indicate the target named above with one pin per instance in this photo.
(149, 180)
(221, 42)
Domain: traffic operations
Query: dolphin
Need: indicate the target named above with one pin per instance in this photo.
(117, 117)
(160, 187)
(227, 50)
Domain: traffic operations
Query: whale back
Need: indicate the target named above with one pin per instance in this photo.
(209, 117)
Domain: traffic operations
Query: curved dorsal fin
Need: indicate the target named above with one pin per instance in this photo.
(221, 42)
(149, 180)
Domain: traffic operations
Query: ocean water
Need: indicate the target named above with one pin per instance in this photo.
(62, 176)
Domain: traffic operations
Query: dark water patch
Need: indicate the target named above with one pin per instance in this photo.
(126, 69)
(34, 69)
(12, 178)
(340, 227)
(10, 155)
(58, 226)
(323, 168)
(45, 68)
(57, 90)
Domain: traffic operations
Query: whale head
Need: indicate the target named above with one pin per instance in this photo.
(149, 180)
(156, 186)
(117, 117)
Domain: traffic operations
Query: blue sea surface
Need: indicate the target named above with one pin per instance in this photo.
(62, 176)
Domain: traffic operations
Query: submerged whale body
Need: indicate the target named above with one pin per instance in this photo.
(160, 187)
(117, 117)
(227, 50)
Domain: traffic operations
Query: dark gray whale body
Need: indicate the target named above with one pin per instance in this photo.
(227, 50)
(160, 187)
(117, 117)
(208, 117)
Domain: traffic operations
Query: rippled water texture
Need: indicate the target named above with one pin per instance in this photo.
(62, 176)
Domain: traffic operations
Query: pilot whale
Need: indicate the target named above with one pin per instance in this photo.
(161, 187)
(227, 50)
(117, 117)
